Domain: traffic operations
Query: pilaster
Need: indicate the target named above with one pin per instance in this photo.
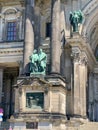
(80, 80)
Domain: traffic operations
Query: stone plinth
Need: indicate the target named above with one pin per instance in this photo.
(39, 101)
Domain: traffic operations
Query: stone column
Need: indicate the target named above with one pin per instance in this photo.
(37, 28)
(1, 83)
(79, 88)
(29, 32)
(55, 37)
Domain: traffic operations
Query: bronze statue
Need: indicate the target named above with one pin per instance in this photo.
(34, 62)
(42, 61)
(76, 18)
(38, 62)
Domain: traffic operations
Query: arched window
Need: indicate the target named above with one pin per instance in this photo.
(11, 24)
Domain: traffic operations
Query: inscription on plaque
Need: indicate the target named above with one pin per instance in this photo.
(31, 125)
(35, 100)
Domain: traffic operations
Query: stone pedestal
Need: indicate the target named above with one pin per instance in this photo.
(40, 103)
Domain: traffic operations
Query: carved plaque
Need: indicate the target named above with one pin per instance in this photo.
(35, 100)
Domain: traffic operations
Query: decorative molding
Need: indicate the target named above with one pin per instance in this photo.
(12, 3)
(11, 13)
(75, 54)
(11, 51)
(10, 9)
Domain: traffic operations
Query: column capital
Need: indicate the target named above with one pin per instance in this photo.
(79, 57)
(83, 59)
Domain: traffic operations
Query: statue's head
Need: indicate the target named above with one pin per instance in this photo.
(40, 50)
(35, 51)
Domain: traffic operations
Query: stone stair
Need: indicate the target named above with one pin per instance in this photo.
(89, 126)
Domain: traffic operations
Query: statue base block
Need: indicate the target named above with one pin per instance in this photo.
(40, 102)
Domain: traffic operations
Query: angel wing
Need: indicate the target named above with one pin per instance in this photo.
(80, 16)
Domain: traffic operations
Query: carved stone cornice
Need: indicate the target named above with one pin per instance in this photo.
(11, 2)
(15, 48)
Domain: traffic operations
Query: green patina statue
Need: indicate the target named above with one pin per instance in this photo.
(38, 62)
(76, 18)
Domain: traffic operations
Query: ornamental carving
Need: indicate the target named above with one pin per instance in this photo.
(79, 57)
(44, 5)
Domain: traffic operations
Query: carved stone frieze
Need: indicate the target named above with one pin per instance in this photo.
(44, 5)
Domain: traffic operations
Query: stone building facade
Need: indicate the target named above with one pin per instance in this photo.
(29, 24)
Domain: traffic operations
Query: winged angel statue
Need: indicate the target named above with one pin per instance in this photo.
(76, 18)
